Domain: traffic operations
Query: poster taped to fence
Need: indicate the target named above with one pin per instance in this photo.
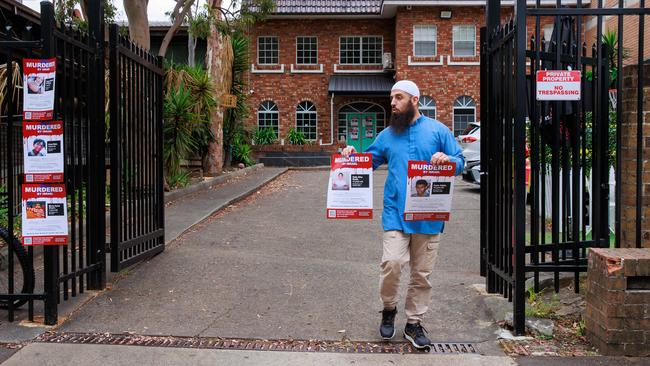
(349, 189)
(38, 88)
(45, 214)
(429, 189)
(43, 151)
(558, 85)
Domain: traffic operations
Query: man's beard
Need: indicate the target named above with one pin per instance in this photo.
(401, 121)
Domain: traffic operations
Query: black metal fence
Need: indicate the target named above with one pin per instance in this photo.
(137, 225)
(137, 229)
(547, 225)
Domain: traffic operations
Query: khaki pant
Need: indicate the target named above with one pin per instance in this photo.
(420, 251)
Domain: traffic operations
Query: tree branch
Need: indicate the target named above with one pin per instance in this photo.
(177, 22)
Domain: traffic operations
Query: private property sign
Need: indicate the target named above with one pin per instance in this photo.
(558, 85)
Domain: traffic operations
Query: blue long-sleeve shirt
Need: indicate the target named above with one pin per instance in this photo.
(420, 141)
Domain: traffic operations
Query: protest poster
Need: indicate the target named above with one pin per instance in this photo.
(43, 151)
(429, 189)
(39, 76)
(44, 214)
(349, 189)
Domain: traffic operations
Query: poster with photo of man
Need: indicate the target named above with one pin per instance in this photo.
(39, 80)
(43, 151)
(349, 191)
(430, 189)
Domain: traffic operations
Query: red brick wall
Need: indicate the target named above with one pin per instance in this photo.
(287, 89)
(443, 83)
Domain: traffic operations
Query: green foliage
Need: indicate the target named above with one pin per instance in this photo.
(611, 139)
(233, 124)
(4, 213)
(296, 137)
(199, 27)
(610, 40)
(229, 21)
(177, 129)
(241, 151)
(581, 330)
(538, 307)
(178, 180)
(198, 84)
(64, 13)
(265, 136)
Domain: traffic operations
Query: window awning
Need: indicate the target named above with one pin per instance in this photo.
(360, 84)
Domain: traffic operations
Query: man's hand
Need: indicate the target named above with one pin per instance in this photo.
(348, 151)
(439, 158)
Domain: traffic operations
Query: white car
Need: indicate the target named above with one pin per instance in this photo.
(470, 143)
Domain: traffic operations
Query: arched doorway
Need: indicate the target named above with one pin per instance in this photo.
(360, 122)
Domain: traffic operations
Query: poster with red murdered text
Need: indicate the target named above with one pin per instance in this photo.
(429, 189)
(45, 214)
(43, 151)
(38, 88)
(349, 189)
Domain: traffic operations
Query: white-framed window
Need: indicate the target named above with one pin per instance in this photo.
(268, 116)
(464, 40)
(306, 119)
(425, 40)
(366, 50)
(464, 113)
(427, 106)
(306, 50)
(267, 50)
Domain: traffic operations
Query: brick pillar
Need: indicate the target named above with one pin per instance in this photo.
(617, 315)
(629, 158)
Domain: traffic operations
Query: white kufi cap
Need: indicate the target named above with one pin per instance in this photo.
(407, 86)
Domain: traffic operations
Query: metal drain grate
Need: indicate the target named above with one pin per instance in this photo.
(250, 344)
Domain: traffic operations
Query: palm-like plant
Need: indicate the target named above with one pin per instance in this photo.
(197, 83)
(233, 126)
(177, 129)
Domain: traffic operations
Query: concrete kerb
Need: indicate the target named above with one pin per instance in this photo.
(209, 183)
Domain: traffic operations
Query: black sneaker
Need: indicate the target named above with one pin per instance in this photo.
(387, 327)
(415, 334)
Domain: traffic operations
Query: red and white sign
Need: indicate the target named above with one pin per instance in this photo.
(43, 151)
(39, 81)
(429, 189)
(558, 85)
(349, 190)
(45, 214)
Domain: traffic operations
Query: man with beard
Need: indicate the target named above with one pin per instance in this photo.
(411, 136)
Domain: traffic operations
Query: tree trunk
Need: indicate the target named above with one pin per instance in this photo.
(191, 50)
(218, 61)
(136, 12)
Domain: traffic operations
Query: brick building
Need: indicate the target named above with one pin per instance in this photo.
(326, 67)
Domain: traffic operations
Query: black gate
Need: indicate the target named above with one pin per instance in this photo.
(136, 113)
(137, 225)
(547, 225)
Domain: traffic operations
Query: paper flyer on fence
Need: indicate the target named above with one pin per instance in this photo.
(38, 88)
(43, 151)
(45, 214)
(349, 189)
(429, 189)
